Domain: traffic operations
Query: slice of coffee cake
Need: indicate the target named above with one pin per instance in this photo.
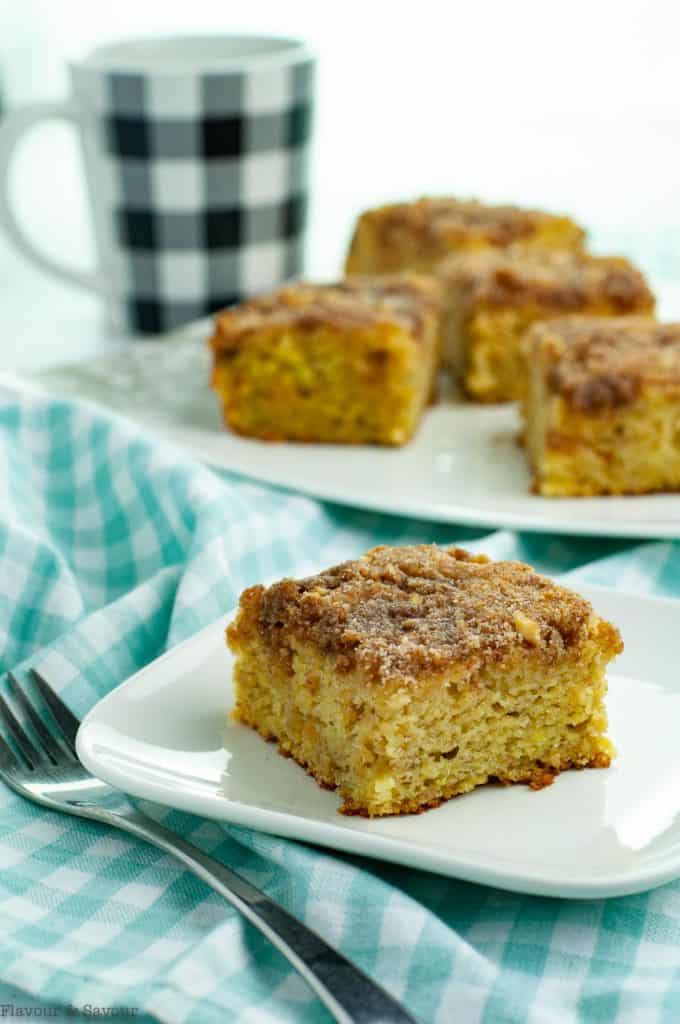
(602, 410)
(347, 363)
(414, 674)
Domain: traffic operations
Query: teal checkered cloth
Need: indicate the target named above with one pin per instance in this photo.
(112, 549)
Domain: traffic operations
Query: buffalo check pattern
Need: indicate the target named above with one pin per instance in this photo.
(204, 179)
(112, 549)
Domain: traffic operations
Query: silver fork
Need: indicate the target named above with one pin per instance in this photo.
(38, 760)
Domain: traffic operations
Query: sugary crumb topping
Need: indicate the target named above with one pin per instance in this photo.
(447, 218)
(399, 613)
(599, 363)
(557, 280)
(405, 300)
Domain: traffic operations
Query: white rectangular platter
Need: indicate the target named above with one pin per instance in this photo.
(464, 466)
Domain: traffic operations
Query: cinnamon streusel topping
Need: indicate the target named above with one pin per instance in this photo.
(406, 300)
(453, 219)
(399, 613)
(598, 363)
(559, 280)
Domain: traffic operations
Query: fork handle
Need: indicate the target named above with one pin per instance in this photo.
(349, 994)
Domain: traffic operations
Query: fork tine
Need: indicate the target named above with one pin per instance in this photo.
(65, 719)
(54, 751)
(26, 748)
(8, 760)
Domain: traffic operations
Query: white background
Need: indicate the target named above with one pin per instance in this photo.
(571, 106)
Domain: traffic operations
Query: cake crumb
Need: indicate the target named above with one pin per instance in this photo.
(528, 628)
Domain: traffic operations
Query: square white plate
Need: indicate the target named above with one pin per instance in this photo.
(463, 466)
(164, 735)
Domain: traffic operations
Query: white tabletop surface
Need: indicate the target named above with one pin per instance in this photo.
(46, 323)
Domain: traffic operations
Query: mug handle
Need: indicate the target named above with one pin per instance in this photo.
(12, 128)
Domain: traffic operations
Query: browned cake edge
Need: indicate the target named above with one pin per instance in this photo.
(560, 281)
(539, 779)
(434, 217)
(596, 364)
(405, 300)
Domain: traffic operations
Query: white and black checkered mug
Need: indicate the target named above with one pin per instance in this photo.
(196, 153)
